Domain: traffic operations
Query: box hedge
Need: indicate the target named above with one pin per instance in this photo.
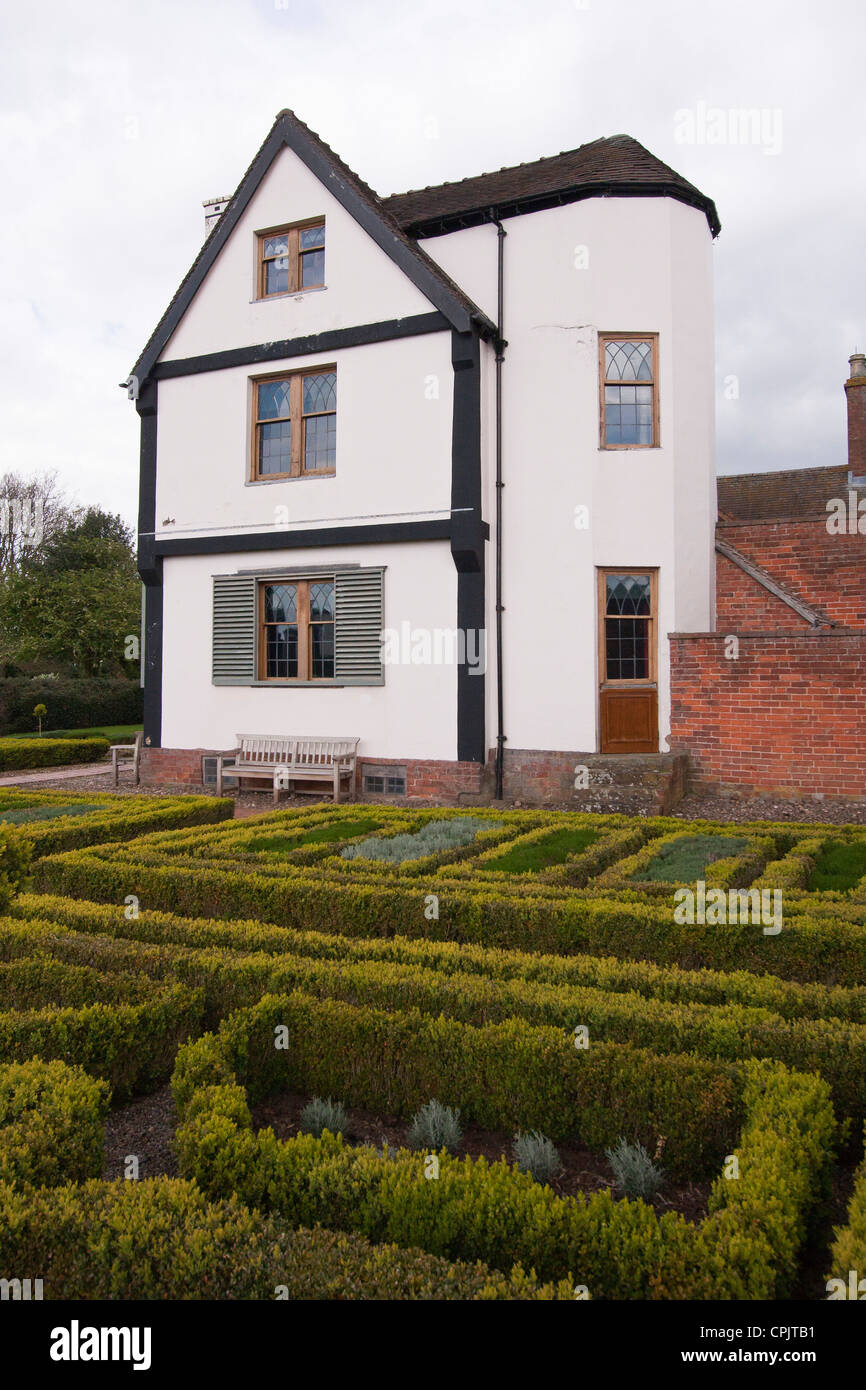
(18, 753)
(162, 1239)
(51, 1120)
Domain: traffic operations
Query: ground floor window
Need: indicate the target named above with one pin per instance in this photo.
(296, 630)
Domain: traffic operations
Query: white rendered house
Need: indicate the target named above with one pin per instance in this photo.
(435, 471)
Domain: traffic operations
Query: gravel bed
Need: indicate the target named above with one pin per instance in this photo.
(621, 800)
(145, 1128)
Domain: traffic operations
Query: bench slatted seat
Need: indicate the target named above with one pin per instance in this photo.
(285, 760)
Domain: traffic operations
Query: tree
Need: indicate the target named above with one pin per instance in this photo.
(74, 600)
(32, 510)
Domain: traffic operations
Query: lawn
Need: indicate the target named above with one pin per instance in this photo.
(542, 854)
(115, 733)
(840, 865)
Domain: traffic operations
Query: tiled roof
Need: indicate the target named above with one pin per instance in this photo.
(792, 492)
(617, 166)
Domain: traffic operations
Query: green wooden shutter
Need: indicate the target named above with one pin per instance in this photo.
(234, 629)
(358, 622)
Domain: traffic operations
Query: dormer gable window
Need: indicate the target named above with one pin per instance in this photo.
(291, 259)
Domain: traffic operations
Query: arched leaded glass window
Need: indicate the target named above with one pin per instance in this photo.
(295, 425)
(292, 259)
(628, 614)
(629, 386)
(296, 630)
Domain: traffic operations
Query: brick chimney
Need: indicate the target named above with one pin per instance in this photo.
(855, 390)
(213, 211)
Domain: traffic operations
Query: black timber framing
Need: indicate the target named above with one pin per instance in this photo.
(312, 345)
(150, 567)
(468, 535)
(288, 131)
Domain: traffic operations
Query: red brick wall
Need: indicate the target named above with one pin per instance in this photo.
(741, 603)
(430, 778)
(823, 570)
(181, 767)
(173, 767)
(788, 717)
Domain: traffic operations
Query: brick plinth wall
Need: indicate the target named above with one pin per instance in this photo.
(546, 778)
(174, 767)
(425, 778)
(429, 778)
(787, 718)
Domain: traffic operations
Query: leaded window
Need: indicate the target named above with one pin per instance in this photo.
(296, 622)
(295, 425)
(628, 616)
(629, 413)
(291, 259)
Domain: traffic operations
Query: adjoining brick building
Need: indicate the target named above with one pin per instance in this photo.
(773, 700)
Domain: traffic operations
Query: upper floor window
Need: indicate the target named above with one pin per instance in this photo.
(629, 391)
(292, 259)
(295, 425)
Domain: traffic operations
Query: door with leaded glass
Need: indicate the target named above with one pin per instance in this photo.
(628, 660)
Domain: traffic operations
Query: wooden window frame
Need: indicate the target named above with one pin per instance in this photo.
(603, 340)
(293, 231)
(304, 626)
(640, 683)
(297, 417)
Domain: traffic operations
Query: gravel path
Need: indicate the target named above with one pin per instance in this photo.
(626, 801)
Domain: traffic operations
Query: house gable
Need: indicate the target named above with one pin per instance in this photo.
(293, 161)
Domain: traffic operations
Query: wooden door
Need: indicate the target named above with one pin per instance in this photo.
(628, 679)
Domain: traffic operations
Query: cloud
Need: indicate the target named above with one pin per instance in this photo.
(117, 120)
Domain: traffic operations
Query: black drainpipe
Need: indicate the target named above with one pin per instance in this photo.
(500, 358)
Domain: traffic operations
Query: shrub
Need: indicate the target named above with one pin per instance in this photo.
(636, 1174)
(434, 837)
(435, 1127)
(161, 1239)
(746, 1249)
(50, 752)
(503, 1076)
(536, 1155)
(14, 864)
(320, 1114)
(50, 1123)
(849, 1246)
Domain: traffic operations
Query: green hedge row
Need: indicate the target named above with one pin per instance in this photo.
(161, 1239)
(821, 949)
(132, 1046)
(49, 752)
(746, 1248)
(37, 916)
(51, 1118)
(508, 1075)
(14, 864)
(849, 1247)
(116, 817)
(35, 981)
(230, 980)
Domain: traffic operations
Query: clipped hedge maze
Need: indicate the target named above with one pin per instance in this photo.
(532, 973)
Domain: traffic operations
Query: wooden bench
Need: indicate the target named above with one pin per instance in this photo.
(127, 752)
(283, 761)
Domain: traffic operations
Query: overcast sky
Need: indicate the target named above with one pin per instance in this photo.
(118, 119)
